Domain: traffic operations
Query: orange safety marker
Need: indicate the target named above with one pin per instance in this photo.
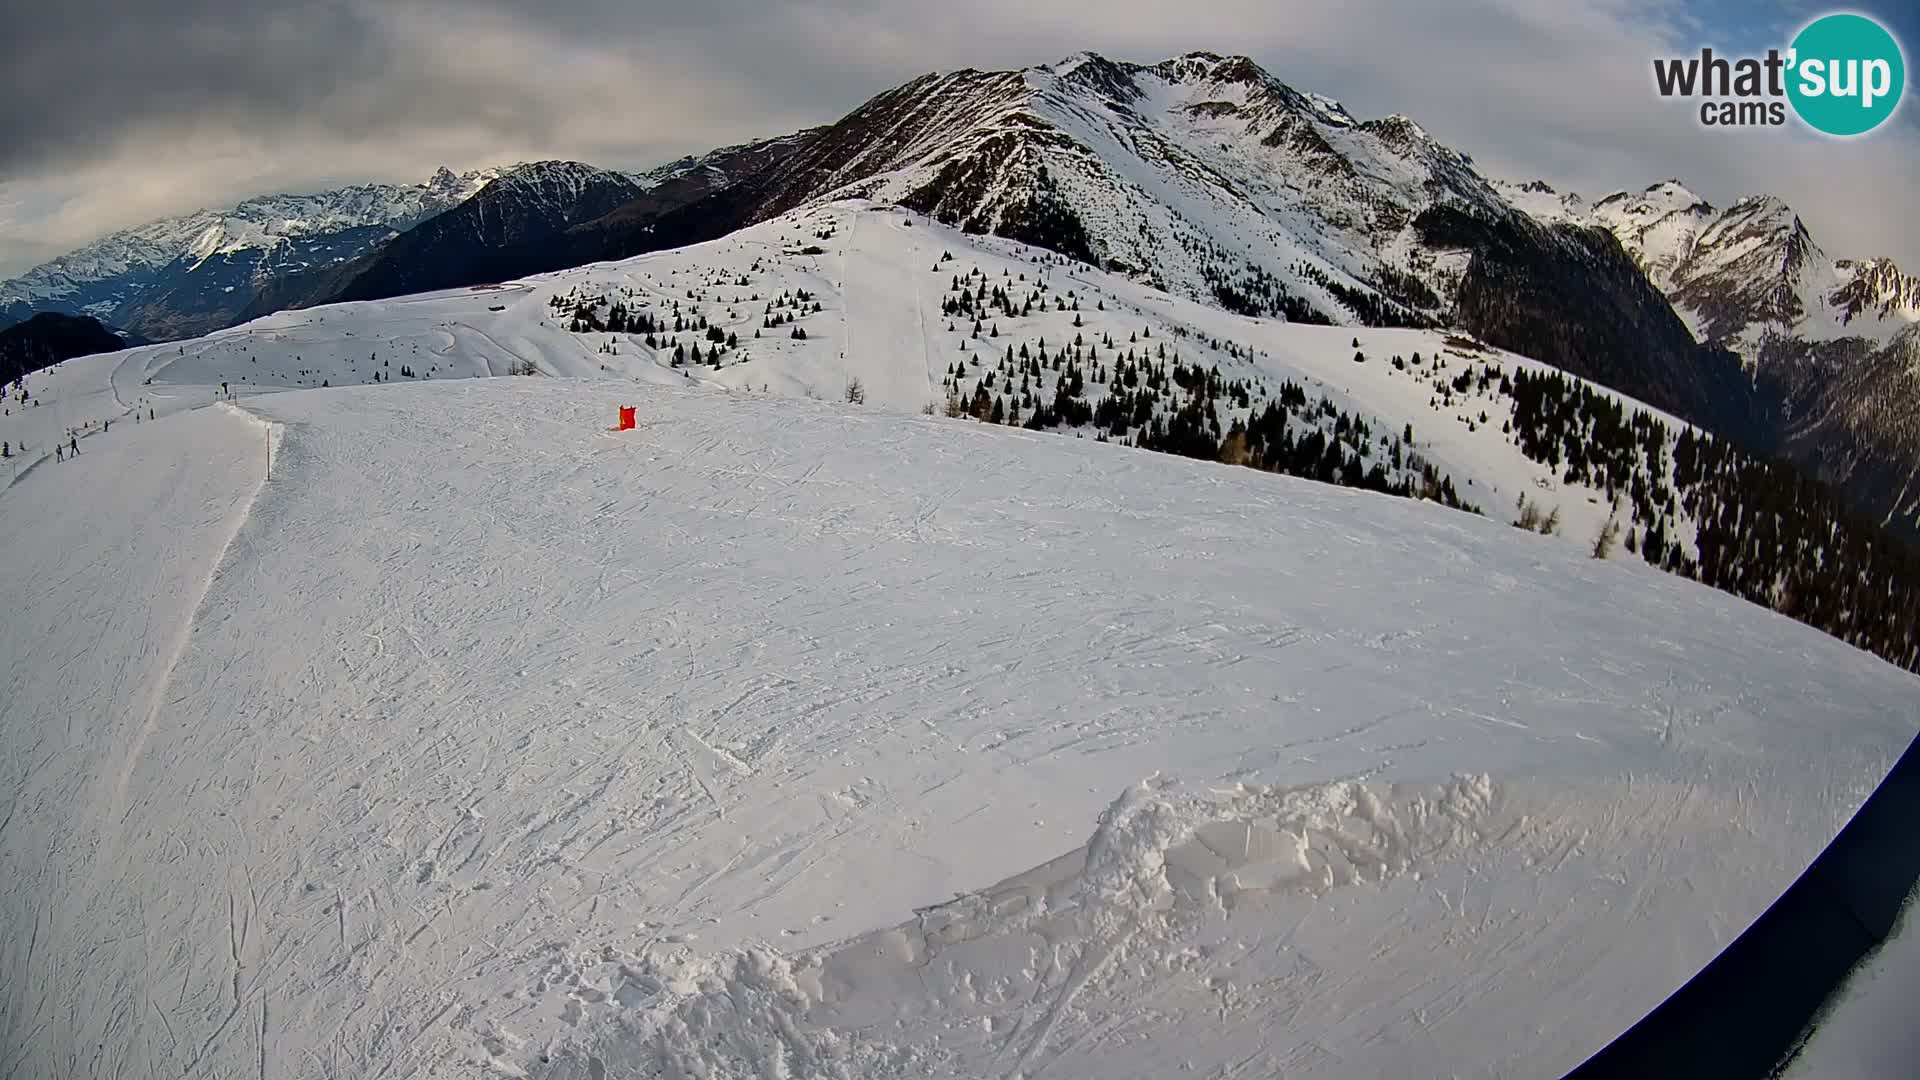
(626, 418)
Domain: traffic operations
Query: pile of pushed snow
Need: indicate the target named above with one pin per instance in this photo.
(1037, 967)
(479, 737)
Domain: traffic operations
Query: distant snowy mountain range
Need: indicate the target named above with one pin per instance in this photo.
(525, 221)
(188, 275)
(1204, 176)
(1745, 274)
(215, 253)
(1832, 344)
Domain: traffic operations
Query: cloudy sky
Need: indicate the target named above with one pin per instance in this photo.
(121, 111)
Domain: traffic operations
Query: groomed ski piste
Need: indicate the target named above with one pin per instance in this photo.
(433, 729)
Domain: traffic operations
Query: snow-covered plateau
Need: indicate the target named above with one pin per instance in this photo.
(435, 729)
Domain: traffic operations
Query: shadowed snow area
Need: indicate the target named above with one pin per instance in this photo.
(781, 738)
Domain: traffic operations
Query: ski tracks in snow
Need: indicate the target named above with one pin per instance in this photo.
(183, 632)
(493, 731)
(183, 499)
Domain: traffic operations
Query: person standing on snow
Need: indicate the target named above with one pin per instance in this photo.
(73, 445)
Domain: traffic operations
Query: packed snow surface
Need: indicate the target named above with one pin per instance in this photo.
(791, 738)
(878, 277)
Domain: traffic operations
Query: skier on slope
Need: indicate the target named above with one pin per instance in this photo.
(73, 445)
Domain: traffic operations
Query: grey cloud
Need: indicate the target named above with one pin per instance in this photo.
(87, 71)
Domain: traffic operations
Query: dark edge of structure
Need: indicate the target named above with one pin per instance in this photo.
(1746, 1013)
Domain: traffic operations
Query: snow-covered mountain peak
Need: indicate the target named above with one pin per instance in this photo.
(1202, 173)
(549, 175)
(1672, 193)
(1089, 74)
(108, 276)
(1197, 81)
(1835, 341)
(1760, 241)
(1215, 70)
(1744, 274)
(1070, 64)
(1544, 202)
(1400, 123)
(1202, 65)
(1648, 206)
(443, 180)
(1331, 111)
(1241, 81)
(1876, 287)
(211, 240)
(552, 182)
(1769, 216)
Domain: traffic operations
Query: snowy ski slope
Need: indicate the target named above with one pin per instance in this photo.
(879, 279)
(798, 738)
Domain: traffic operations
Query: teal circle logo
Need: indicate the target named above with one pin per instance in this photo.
(1846, 74)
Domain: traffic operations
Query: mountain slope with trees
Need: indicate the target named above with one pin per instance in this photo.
(1830, 347)
(880, 306)
(49, 338)
(1207, 177)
